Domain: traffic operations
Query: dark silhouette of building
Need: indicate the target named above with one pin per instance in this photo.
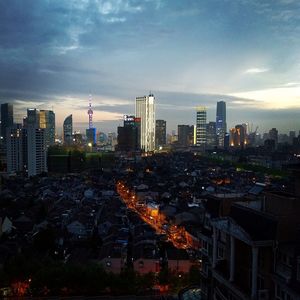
(221, 126)
(7, 119)
(185, 135)
(160, 133)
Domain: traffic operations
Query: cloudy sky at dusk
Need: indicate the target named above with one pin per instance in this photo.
(54, 53)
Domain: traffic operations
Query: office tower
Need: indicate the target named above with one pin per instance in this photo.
(128, 135)
(90, 136)
(145, 110)
(221, 126)
(7, 119)
(185, 135)
(37, 151)
(33, 118)
(211, 139)
(68, 130)
(273, 135)
(14, 148)
(238, 138)
(201, 126)
(47, 122)
(160, 133)
(77, 139)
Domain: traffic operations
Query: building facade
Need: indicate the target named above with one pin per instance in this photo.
(145, 110)
(185, 135)
(221, 126)
(211, 139)
(160, 133)
(47, 122)
(7, 119)
(68, 130)
(201, 126)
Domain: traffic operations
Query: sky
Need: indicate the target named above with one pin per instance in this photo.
(54, 53)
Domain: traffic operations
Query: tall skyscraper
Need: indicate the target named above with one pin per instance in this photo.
(185, 135)
(33, 118)
(7, 119)
(37, 151)
(47, 122)
(145, 110)
(160, 133)
(68, 130)
(201, 126)
(91, 131)
(221, 126)
(128, 135)
(238, 137)
(273, 135)
(14, 148)
(211, 138)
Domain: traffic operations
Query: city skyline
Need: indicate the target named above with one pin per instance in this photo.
(246, 53)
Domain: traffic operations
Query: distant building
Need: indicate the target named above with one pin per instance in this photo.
(14, 148)
(201, 126)
(160, 133)
(7, 119)
(68, 130)
(128, 134)
(91, 136)
(185, 135)
(238, 137)
(273, 135)
(33, 118)
(221, 126)
(145, 110)
(37, 151)
(77, 139)
(211, 138)
(47, 122)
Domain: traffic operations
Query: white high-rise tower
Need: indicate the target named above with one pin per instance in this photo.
(145, 109)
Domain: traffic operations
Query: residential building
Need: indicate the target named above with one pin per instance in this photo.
(145, 110)
(14, 148)
(201, 126)
(37, 151)
(238, 138)
(160, 133)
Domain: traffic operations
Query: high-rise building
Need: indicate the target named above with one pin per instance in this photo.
(128, 135)
(14, 148)
(160, 133)
(211, 138)
(273, 135)
(47, 122)
(145, 110)
(221, 126)
(36, 151)
(185, 135)
(33, 118)
(7, 119)
(91, 136)
(68, 130)
(201, 126)
(238, 137)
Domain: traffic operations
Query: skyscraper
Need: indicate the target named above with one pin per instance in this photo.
(273, 135)
(145, 110)
(201, 126)
(33, 118)
(14, 148)
(185, 135)
(47, 122)
(221, 126)
(211, 138)
(7, 119)
(37, 151)
(128, 135)
(160, 133)
(238, 137)
(68, 130)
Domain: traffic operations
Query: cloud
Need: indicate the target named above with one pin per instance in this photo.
(256, 70)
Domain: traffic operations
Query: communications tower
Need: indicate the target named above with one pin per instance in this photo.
(90, 112)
